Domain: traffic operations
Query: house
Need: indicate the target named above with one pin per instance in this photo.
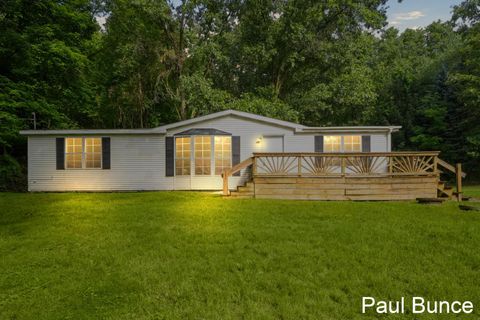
(192, 154)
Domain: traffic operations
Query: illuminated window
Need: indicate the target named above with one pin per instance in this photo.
(182, 156)
(203, 146)
(352, 144)
(223, 153)
(74, 153)
(83, 153)
(332, 143)
(93, 153)
(342, 143)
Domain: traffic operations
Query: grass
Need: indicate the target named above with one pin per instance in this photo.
(472, 191)
(179, 255)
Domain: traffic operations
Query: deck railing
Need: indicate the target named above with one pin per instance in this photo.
(365, 164)
(345, 164)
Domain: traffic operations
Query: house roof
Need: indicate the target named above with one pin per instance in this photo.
(240, 114)
(203, 131)
(298, 128)
(86, 132)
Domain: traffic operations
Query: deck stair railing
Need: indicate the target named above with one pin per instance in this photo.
(231, 171)
(371, 164)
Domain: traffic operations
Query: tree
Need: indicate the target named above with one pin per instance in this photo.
(44, 68)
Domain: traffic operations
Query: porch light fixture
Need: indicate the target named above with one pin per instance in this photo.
(259, 140)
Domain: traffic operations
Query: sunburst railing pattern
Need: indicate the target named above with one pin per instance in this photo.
(366, 165)
(345, 164)
(413, 164)
(316, 165)
(276, 165)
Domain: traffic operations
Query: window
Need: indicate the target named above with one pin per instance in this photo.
(203, 146)
(93, 153)
(203, 154)
(83, 153)
(74, 151)
(223, 153)
(332, 144)
(352, 144)
(342, 143)
(182, 156)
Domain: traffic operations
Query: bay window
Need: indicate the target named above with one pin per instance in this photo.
(202, 155)
(203, 146)
(182, 156)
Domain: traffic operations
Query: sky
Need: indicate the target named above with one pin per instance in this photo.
(418, 13)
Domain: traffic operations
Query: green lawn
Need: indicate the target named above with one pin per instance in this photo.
(182, 255)
(473, 191)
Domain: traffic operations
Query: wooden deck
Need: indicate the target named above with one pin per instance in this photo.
(344, 176)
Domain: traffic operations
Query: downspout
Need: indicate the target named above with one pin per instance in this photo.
(389, 140)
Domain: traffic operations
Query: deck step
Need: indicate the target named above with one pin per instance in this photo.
(469, 208)
(430, 200)
(245, 188)
(444, 191)
(235, 195)
(244, 192)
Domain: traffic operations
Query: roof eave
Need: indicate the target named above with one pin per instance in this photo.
(89, 132)
(359, 129)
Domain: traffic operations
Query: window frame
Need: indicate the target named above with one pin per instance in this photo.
(325, 143)
(210, 160)
(189, 158)
(83, 153)
(342, 143)
(192, 155)
(222, 159)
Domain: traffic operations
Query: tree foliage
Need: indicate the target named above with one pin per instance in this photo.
(317, 62)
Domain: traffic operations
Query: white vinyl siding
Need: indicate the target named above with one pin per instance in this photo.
(138, 161)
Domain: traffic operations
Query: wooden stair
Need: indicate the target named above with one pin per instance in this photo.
(444, 191)
(245, 191)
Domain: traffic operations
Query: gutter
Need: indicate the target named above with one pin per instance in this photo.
(90, 132)
(366, 129)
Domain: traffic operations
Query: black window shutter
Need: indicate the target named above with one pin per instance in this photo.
(169, 159)
(236, 152)
(366, 143)
(60, 153)
(106, 153)
(318, 143)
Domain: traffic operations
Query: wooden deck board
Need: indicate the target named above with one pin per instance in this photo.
(346, 188)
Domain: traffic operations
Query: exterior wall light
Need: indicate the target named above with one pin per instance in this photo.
(259, 140)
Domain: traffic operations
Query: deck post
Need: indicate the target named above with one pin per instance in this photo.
(458, 172)
(225, 182)
(299, 169)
